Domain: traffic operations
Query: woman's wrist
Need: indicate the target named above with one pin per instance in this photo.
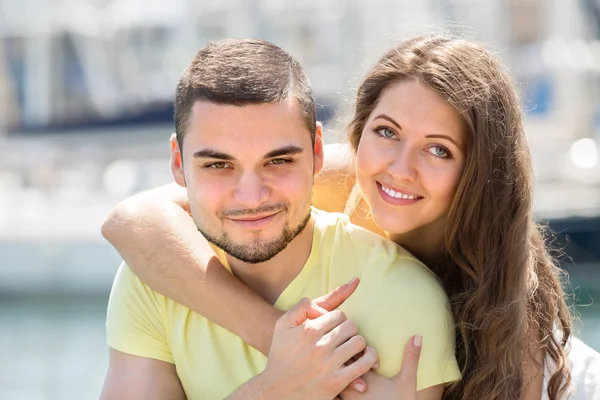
(259, 332)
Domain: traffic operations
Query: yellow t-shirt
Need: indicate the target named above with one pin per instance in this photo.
(397, 298)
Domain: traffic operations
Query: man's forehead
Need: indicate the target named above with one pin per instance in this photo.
(289, 108)
(263, 126)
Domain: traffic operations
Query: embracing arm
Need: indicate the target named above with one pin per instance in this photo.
(132, 377)
(159, 241)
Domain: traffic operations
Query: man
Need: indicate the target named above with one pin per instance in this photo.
(247, 148)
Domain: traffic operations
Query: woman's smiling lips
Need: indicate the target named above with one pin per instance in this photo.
(254, 222)
(397, 197)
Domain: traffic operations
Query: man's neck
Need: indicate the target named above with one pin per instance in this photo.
(269, 279)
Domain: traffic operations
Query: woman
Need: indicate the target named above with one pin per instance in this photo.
(444, 170)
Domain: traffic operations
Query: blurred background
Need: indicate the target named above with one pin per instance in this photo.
(86, 90)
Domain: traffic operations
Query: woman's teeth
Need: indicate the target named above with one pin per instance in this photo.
(398, 195)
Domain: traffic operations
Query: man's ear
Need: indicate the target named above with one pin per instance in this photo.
(176, 161)
(318, 150)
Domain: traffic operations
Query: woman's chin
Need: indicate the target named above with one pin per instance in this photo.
(393, 226)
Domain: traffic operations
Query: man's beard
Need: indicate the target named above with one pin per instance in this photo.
(257, 252)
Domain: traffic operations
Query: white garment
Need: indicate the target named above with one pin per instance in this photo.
(353, 200)
(585, 371)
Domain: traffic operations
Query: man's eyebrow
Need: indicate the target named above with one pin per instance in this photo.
(390, 119)
(284, 151)
(209, 153)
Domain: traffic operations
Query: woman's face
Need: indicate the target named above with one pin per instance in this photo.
(410, 159)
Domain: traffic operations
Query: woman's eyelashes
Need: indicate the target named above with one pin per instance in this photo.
(436, 150)
(439, 151)
(385, 132)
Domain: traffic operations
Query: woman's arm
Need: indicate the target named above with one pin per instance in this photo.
(159, 241)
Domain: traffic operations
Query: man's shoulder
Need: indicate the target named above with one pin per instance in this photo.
(337, 228)
(338, 225)
(131, 298)
(128, 287)
(360, 251)
(129, 291)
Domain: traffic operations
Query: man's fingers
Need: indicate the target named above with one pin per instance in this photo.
(337, 296)
(407, 377)
(362, 365)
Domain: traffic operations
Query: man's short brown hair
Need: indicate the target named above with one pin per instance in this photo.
(242, 72)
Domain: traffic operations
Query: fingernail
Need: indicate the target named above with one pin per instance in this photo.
(376, 366)
(417, 340)
(352, 281)
(359, 387)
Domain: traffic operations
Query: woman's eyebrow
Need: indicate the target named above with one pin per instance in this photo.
(443, 137)
(389, 119)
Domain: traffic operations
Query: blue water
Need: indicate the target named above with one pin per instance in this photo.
(52, 349)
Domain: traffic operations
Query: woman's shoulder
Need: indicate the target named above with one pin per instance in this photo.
(336, 180)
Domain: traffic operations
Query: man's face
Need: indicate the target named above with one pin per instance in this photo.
(249, 175)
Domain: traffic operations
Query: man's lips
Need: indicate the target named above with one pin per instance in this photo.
(254, 222)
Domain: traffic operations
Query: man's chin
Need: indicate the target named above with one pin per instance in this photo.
(257, 252)
(255, 247)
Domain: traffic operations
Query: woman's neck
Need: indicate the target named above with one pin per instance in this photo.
(425, 243)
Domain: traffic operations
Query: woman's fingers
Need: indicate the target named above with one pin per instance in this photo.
(359, 385)
(337, 296)
(407, 377)
(341, 333)
(295, 316)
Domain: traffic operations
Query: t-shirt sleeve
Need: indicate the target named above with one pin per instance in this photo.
(135, 320)
(396, 301)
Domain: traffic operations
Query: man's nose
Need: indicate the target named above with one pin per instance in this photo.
(251, 191)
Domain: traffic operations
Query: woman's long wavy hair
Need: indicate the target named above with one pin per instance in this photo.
(503, 285)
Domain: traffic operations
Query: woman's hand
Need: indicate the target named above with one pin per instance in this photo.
(308, 357)
(403, 386)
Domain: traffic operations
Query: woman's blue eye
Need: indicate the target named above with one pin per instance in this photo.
(438, 151)
(386, 132)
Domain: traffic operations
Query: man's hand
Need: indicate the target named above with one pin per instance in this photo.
(308, 356)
